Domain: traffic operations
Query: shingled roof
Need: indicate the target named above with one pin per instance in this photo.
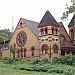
(72, 22)
(32, 26)
(47, 18)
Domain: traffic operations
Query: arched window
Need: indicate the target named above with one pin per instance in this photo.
(24, 52)
(44, 49)
(62, 40)
(52, 30)
(55, 48)
(56, 30)
(33, 49)
(46, 31)
(42, 32)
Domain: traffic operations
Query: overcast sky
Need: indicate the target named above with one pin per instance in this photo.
(30, 9)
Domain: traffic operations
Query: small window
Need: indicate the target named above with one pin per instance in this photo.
(21, 24)
(46, 31)
(56, 30)
(56, 39)
(52, 31)
(44, 40)
(42, 32)
(53, 39)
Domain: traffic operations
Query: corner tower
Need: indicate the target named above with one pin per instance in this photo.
(72, 30)
(49, 36)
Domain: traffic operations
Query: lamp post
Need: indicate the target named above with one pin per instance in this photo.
(50, 52)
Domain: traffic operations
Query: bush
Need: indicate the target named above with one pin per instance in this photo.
(67, 59)
(35, 61)
(68, 73)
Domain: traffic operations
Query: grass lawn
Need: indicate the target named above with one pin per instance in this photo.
(7, 71)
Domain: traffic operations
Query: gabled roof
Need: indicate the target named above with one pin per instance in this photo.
(32, 26)
(47, 18)
(61, 24)
(72, 22)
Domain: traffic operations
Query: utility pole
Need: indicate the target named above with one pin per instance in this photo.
(12, 24)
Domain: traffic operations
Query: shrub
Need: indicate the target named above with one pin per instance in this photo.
(67, 59)
(68, 73)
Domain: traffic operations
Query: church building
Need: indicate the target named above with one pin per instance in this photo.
(41, 40)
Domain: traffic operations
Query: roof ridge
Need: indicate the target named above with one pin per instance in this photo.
(29, 20)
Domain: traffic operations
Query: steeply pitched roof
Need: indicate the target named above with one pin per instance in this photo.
(61, 24)
(32, 26)
(47, 18)
(72, 22)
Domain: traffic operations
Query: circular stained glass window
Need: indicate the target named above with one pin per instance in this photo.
(21, 38)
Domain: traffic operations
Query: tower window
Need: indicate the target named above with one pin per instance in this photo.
(42, 32)
(53, 31)
(56, 39)
(56, 30)
(44, 39)
(46, 31)
(53, 39)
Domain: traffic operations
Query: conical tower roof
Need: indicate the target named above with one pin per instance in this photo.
(47, 18)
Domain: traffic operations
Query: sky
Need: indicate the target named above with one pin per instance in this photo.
(30, 9)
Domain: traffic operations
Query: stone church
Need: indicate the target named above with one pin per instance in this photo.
(40, 40)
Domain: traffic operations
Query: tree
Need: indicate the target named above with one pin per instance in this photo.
(5, 34)
(69, 9)
(12, 49)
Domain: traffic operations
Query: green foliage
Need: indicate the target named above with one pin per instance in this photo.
(67, 59)
(5, 34)
(37, 65)
(69, 9)
(12, 49)
(68, 73)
